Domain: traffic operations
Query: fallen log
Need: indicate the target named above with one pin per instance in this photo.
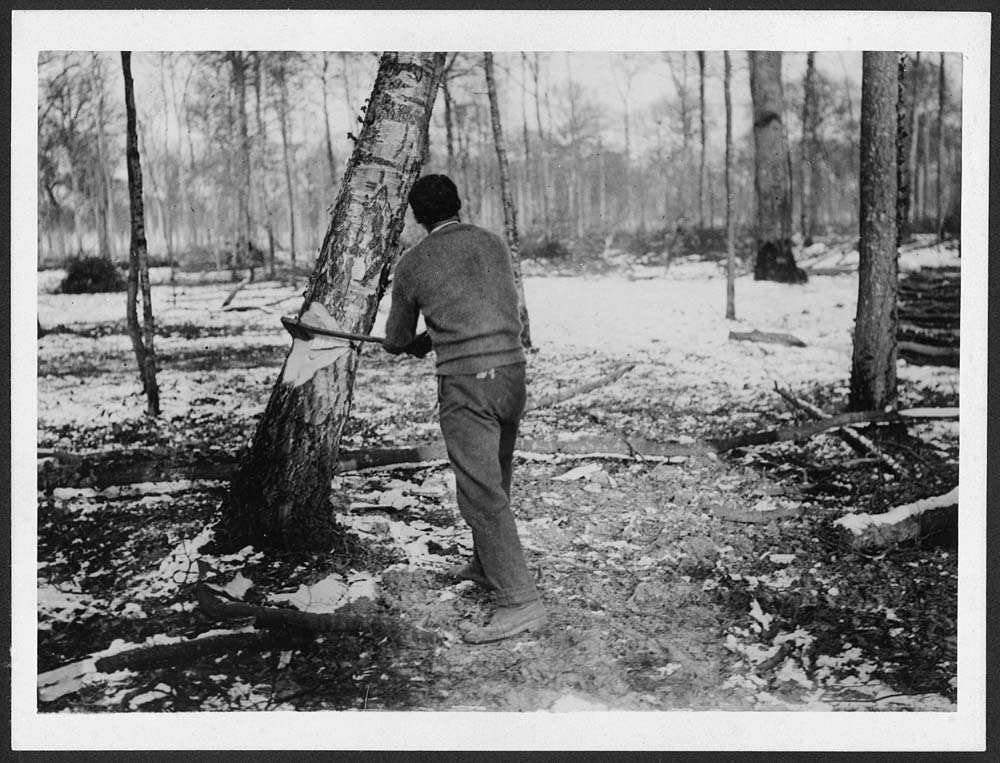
(310, 622)
(751, 517)
(928, 354)
(910, 521)
(62, 469)
(581, 389)
(66, 679)
(100, 470)
(766, 337)
(855, 440)
(832, 271)
(235, 290)
(162, 655)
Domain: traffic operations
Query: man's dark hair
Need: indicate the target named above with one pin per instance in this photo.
(434, 198)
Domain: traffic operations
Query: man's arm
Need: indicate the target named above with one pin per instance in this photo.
(401, 325)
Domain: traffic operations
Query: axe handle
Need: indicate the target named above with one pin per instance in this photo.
(299, 329)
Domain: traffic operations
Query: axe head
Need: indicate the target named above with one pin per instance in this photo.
(294, 327)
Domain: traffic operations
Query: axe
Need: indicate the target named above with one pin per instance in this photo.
(307, 332)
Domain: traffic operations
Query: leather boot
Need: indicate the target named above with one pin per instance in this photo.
(509, 621)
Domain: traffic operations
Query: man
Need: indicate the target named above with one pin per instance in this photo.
(459, 276)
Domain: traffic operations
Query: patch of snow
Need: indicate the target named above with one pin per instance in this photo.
(791, 672)
(580, 472)
(56, 605)
(362, 585)
(760, 616)
(575, 703)
(156, 488)
(238, 586)
(325, 596)
(158, 692)
(180, 566)
(858, 523)
(133, 611)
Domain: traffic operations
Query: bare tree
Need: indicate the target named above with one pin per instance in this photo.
(939, 175)
(772, 175)
(627, 68)
(873, 370)
(536, 68)
(263, 153)
(701, 159)
(809, 150)
(138, 276)
(282, 64)
(914, 141)
(509, 210)
(280, 494)
(730, 236)
(331, 162)
(904, 141)
(239, 62)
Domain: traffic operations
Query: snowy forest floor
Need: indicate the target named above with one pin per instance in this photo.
(658, 599)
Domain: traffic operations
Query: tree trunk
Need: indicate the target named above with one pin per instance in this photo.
(138, 261)
(730, 236)
(527, 202)
(104, 192)
(701, 113)
(238, 63)
(265, 200)
(331, 162)
(873, 371)
(602, 187)
(287, 159)
(509, 211)
(807, 211)
(772, 179)
(535, 70)
(449, 135)
(914, 141)
(281, 492)
(939, 175)
(904, 140)
(167, 207)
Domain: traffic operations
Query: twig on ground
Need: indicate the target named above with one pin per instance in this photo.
(580, 389)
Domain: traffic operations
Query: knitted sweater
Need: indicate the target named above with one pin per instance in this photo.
(460, 278)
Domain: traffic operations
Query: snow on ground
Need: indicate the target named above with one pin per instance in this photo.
(670, 321)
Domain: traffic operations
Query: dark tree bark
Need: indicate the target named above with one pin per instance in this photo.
(904, 140)
(939, 175)
(509, 210)
(280, 495)
(527, 202)
(241, 255)
(449, 129)
(730, 235)
(701, 164)
(330, 160)
(873, 370)
(265, 197)
(914, 141)
(807, 170)
(138, 277)
(772, 178)
(535, 74)
(286, 153)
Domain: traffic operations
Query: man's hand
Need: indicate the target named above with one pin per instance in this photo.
(420, 345)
